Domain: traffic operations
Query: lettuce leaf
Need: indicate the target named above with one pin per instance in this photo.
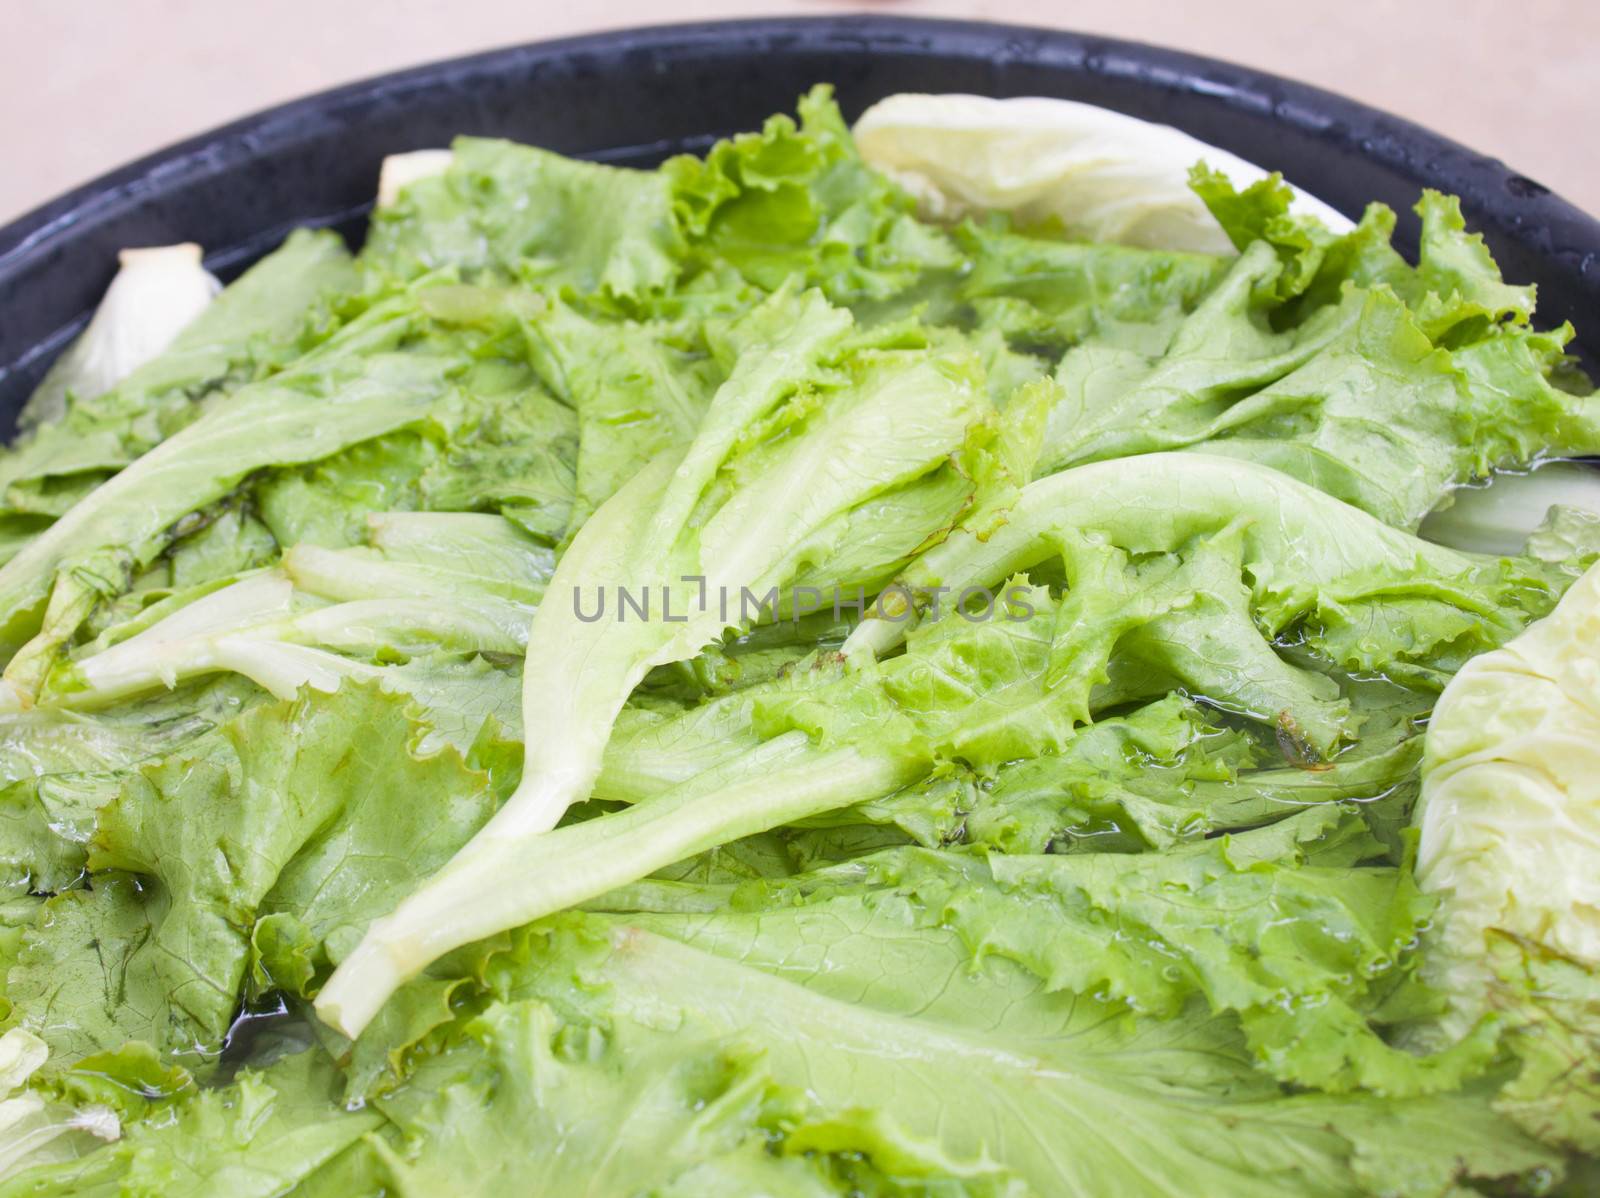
(503, 211)
(795, 203)
(250, 329)
(788, 444)
(638, 390)
(1113, 1102)
(154, 945)
(703, 1117)
(1355, 400)
(1203, 561)
(268, 1131)
(294, 417)
(1315, 935)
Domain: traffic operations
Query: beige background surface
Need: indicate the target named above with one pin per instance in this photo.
(86, 85)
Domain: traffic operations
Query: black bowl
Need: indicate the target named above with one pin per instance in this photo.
(639, 95)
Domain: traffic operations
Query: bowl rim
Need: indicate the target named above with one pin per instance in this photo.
(1510, 208)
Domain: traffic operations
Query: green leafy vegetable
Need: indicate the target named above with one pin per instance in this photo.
(194, 850)
(789, 470)
(743, 678)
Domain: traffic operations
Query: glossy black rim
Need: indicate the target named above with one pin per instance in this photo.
(636, 95)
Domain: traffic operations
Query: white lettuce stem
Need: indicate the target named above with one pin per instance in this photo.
(263, 644)
(506, 882)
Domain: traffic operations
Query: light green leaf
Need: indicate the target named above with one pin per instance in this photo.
(504, 211)
(295, 417)
(196, 846)
(248, 329)
(743, 507)
(527, 1105)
